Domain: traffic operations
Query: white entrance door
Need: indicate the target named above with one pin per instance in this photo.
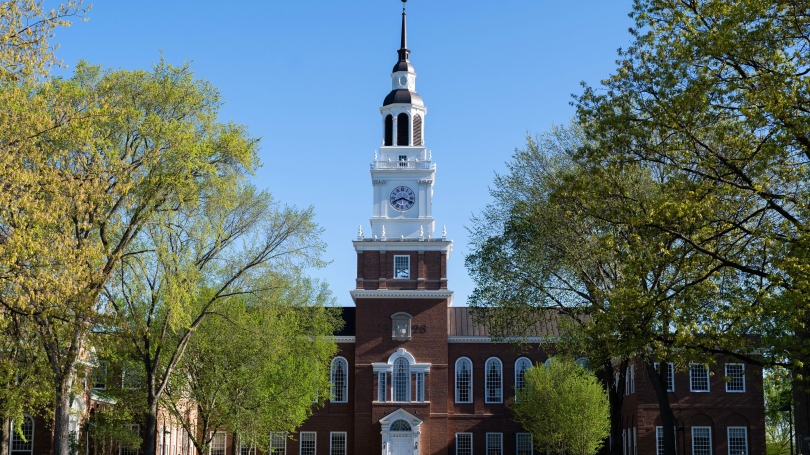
(401, 445)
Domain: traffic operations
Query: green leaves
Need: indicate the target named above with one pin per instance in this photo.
(564, 407)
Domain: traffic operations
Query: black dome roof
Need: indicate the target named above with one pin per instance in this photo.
(403, 66)
(403, 96)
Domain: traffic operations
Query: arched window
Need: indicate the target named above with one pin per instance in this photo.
(521, 366)
(389, 130)
(417, 130)
(400, 425)
(402, 380)
(403, 129)
(493, 381)
(23, 445)
(340, 380)
(464, 381)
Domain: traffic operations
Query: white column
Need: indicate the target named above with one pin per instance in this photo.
(394, 133)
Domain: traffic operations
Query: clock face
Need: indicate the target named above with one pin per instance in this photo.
(403, 81)
(402, 198)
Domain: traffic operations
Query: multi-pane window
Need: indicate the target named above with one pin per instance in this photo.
(340, 380)
(737, 441)
(464, 380)
(278, 443)
(382, 386)
(493, 381)
(246, 449)
(402, 267)
(132, 449)
(701, 440)
(99, 377)
(698, 377)
(185, 443)
(735, 377)
(670, 375)
(401, 380)
(337, 443)
(630, 380)
(659, 439)
(131, 376)
(308, 442)
(524, 444)
(420, 387)
(23, 444)
(218, 444)
(494, 443)
(464, 444)
(521, 366)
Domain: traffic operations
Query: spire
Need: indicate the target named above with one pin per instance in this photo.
(403, 46)
(404, 42)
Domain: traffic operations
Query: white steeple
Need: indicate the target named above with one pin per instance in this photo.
(403, 174)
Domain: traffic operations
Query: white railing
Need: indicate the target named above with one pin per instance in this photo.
(411, 164)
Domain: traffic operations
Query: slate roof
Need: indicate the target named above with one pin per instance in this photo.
(460, 323)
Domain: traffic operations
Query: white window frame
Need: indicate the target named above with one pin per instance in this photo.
(659, 448)
(395, 381)
(214, 435)
(692, 378)
(136, 428)
(134, 372)
(332, 447)
(470, 380)
(708, 431)
(278, 438)
(16, 437)
(382, 387)
(406, 267)
(518, 442)
(670, 375)
(345, 387)
(468, 436)
(742, 373)
(520, 371)
(251, 450)
(494, 442)
(314, 441)
(420, 387)
(630, 380)
(488, 387)
(99, 372)
(745, 434)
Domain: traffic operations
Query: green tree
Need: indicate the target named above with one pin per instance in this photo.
(111, 150)
(778, 395)
(264, 376)
(556, 240)
(231, 249)
(715, 93)
(564, 407)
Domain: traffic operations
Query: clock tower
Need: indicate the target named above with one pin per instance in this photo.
(403, 171)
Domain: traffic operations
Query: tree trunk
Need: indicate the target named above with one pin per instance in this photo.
(616, 399)
(61, 424)
(5, 437)
(659, 382)
(150, 432)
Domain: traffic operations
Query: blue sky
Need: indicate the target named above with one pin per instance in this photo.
(309, 76)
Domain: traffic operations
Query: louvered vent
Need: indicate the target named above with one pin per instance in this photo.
(417, 131)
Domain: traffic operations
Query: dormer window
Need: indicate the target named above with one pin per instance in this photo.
(401, 326)
(402, 267)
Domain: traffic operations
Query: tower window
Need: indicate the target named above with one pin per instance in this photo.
(417, 130)
(402, 267)
(389, 130)
(403, 160)
(401, 326)
(403, 129)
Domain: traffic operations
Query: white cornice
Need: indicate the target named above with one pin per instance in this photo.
(344, 339)
(392, 294)
(473, 339)
(403, 245)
